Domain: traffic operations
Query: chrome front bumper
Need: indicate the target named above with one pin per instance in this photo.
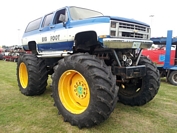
(126, 43)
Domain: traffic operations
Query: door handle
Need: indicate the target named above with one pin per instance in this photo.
(52, 26)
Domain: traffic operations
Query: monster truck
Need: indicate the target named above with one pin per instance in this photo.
(89, 57)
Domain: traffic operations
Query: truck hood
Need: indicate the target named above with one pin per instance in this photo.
(127, 20)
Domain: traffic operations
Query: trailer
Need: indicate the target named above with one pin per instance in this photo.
(165, 57)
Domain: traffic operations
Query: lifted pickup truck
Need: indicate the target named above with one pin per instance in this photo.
(90, 57)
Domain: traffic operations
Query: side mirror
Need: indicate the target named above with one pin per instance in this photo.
(62, 18)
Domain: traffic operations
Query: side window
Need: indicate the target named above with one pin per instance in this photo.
(47, 20)
(34, 25)
(57, 16)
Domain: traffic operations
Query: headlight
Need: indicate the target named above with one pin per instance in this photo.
(113, 24)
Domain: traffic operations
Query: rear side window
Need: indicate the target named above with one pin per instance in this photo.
(47, 20)
(34, 25)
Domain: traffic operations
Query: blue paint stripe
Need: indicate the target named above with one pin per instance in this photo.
(59, 46)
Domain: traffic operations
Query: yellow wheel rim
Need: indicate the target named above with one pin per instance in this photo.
(23, 75)
(74, 91)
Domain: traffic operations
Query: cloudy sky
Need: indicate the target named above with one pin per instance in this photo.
(15, 14)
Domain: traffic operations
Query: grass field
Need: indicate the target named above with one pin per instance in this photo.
(22, 114)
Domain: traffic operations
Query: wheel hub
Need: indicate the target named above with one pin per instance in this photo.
(23, 75)
(80, 89)
(74, 91)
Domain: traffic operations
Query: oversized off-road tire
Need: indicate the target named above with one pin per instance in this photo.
(172, 79)
(141, 90)
(84, 90)
(31, 75)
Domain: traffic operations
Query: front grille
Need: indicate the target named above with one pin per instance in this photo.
(129, 30)
(126, 26)
(141, 28)
(132, 35)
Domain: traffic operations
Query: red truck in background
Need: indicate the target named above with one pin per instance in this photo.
(158, 56)
(165, 57)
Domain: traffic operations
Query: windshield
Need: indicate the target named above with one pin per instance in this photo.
(82, 13)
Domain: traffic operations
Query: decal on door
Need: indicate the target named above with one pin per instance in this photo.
(44, 39)
(55, 38)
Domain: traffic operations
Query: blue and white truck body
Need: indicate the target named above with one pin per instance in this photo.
(50, 38)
